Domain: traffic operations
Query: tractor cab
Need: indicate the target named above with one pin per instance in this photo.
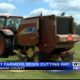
(8, 29)
(10, 22)
(2, 22)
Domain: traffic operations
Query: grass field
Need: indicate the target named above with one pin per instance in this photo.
(39, 74)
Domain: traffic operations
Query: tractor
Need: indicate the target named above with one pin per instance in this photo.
(8, 29)
(41, 38)
(47, 38)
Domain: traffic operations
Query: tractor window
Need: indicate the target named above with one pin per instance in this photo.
(2, 22)
(28, 30)
(13, 23)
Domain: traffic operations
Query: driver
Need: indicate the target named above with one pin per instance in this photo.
(11, 25)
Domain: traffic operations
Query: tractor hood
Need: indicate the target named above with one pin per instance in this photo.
(7, 32)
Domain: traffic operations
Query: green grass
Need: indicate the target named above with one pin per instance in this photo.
(77, 47)
(37, 74)
(10, 58)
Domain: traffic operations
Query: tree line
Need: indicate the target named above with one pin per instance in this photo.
(77, 29)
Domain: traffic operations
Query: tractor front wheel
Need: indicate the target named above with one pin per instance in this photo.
(4, 46)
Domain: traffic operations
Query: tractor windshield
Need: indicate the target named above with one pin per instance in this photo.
(13, 23)
(2, 23)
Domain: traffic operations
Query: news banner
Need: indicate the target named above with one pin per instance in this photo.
(39, 65)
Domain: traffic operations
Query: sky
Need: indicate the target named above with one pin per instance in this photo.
(28, 8)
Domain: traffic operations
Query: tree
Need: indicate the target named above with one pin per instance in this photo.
(77, 29)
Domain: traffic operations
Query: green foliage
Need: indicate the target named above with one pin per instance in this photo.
(77, 47)
(77, 29)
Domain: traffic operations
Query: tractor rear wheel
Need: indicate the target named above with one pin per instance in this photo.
(68, 57)
(5, 47)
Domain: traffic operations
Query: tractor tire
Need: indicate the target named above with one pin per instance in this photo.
(5, 46)
(68, 57)
(51, 58)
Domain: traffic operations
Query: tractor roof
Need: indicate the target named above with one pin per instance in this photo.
(49, 15)
(38, 17)
(7, 16)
